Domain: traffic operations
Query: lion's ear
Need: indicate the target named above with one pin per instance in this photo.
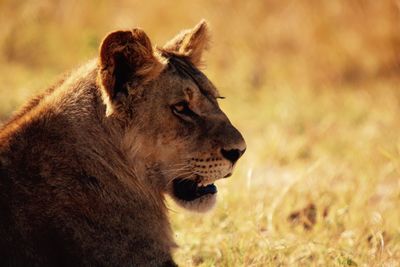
(126, 57)
(191, 43)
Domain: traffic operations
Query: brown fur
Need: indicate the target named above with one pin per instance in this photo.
(85, 166)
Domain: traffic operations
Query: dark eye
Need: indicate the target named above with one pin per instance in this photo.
(182, 108)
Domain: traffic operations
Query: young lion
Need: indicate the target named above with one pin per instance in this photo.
(84, 167)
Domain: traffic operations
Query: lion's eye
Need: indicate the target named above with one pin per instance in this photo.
(182, 108)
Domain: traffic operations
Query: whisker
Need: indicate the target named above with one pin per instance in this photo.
(187, 176)
(175, 170)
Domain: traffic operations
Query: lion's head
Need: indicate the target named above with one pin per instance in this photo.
(174, 133)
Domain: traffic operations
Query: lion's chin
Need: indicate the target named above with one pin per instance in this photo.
(193, 195)
(201, 204)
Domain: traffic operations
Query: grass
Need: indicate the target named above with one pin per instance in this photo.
(313, 86)
(337, 151)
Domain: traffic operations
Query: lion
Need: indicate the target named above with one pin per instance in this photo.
(85, 166)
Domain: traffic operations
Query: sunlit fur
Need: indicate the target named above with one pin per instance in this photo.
(85, 166)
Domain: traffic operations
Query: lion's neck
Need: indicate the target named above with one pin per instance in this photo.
(68, 125)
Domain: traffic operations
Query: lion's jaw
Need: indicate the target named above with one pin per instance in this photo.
(188, 180)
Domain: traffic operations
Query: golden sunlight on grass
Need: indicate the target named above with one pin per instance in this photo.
(314, 87)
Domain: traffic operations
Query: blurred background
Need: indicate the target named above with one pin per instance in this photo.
(313, 86)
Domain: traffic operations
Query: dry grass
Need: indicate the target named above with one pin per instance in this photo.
(312, 84)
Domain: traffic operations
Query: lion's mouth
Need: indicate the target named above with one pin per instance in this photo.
(190, 190)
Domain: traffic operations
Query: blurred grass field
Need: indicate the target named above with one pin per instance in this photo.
(313, 86)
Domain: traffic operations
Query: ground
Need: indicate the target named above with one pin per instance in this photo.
(313, 86)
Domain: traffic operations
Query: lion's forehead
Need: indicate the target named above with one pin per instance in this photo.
(188, 71)
(208, 86)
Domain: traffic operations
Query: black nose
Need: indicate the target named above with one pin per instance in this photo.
(232, 155)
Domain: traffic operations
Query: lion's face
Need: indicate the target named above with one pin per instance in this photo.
(190, 140)
(181, 141)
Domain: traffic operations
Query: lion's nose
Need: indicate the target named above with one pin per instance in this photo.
(232, 154)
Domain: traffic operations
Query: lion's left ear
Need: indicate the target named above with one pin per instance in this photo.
(190, 43)
(126, 61)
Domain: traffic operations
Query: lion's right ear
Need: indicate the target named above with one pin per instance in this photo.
(190, 43)
(126, 61)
